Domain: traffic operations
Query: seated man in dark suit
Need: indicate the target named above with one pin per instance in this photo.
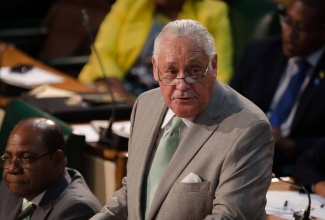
(285, 77)
(35, 172)
(310, 169)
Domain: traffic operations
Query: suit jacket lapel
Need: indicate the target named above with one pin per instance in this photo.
(202, 128)
(310, 91)
(144, 153)
(14, 207)
(46, 205)
(273, 73)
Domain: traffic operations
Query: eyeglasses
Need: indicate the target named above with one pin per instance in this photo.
(195, 76)
(6, 161)
(286, 22)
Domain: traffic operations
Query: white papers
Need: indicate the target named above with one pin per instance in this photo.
(295, 202)
(90, 133)
(34, 76)
(122, 128)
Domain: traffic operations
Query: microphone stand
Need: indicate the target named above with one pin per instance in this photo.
(27, 212)
(306, 214)
(107, 136)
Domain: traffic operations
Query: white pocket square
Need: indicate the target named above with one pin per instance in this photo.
(191, 178)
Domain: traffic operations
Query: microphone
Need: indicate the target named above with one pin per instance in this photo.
(2, 87)
(27, 212)
(107, 136)
(306, 213)
(9, 88)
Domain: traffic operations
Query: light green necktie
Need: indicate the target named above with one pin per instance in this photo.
(164, 153)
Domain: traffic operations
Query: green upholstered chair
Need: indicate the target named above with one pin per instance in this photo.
(17, 110)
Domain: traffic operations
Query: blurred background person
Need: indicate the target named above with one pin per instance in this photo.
(284, 76)
(35, 172)
(125, 39)
(310, 169)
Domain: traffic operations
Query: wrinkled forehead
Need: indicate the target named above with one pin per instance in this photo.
(309, 11)
(173, 49)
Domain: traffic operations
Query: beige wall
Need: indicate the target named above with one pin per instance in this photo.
(100, 177)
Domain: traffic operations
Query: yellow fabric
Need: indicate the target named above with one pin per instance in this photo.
(124, 31)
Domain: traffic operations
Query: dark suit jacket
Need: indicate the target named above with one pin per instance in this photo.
(229, 146)
(310, 167)
(68, 198)
(257, 78)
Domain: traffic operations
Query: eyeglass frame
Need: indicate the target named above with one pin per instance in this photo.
(285, 23)
(183, 78)
(23, 161)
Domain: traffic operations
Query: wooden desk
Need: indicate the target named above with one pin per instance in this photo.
(12, 56)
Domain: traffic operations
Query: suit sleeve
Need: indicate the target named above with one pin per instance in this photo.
(116, 208)
(246, 175)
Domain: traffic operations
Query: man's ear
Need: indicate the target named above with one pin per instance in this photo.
(154, 68)
(58, 158)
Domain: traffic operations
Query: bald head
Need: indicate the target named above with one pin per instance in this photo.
(50, 133)
(35, 159)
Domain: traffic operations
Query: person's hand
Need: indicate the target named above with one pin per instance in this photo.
(320, 188)
(283, 144)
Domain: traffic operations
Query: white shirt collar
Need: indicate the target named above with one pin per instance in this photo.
(168, 118)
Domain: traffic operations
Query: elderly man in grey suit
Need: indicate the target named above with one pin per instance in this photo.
(198, 149)
(36, 182)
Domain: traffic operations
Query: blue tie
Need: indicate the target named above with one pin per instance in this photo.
(281, 112)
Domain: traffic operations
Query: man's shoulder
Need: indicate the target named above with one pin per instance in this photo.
(77, 193)
(245, 109)
(77, 183)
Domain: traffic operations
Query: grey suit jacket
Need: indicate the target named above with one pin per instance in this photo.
(229, 145)
(68, 198)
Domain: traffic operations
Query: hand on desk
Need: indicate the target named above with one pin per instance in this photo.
(320, 188)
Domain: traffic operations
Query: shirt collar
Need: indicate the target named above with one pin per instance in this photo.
(168, 118)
